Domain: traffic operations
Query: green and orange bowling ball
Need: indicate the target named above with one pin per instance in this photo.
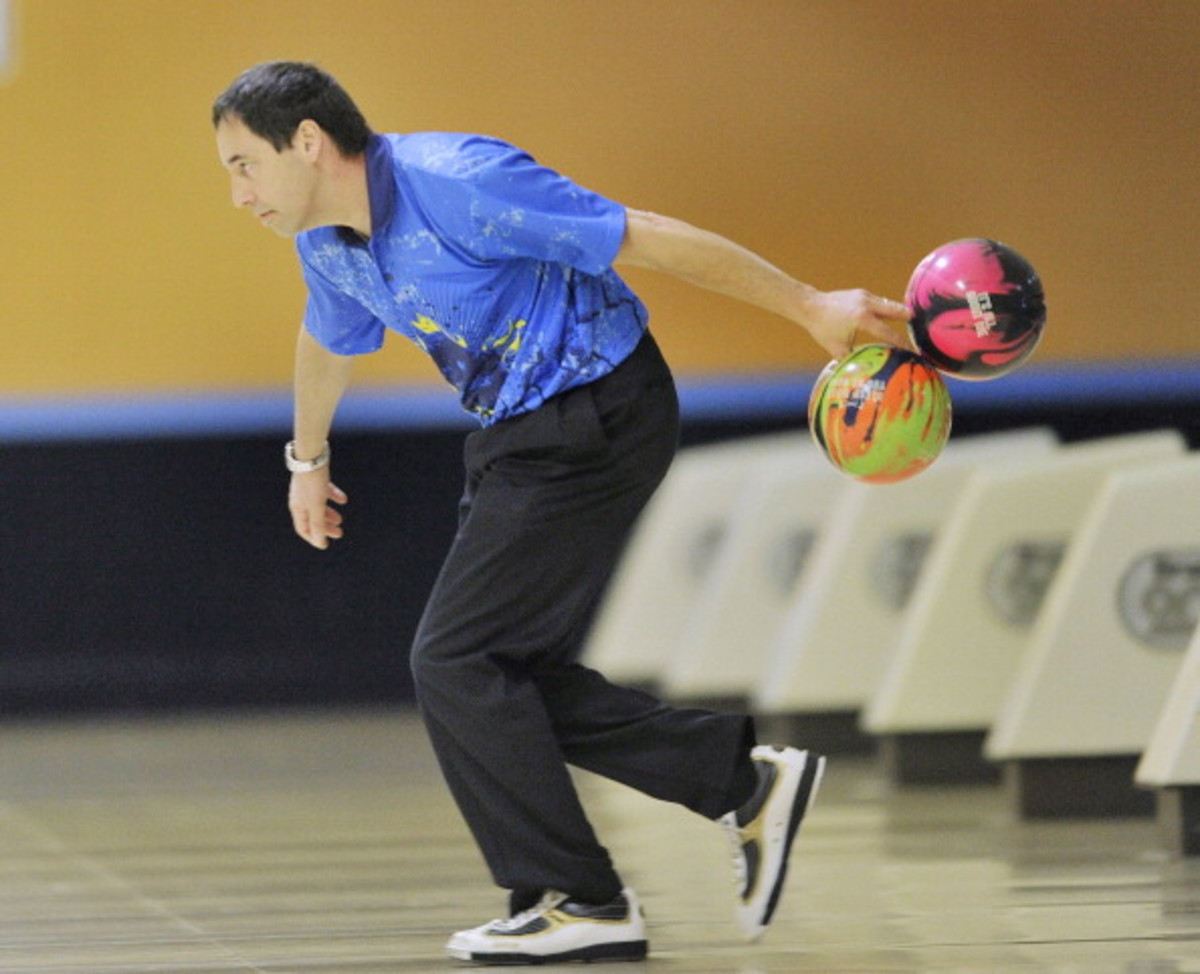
(881, 414)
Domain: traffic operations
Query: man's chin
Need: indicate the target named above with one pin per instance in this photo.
(281, 228)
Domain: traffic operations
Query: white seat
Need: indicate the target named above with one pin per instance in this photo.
(834, 638)
(981, 589)
(641, 618)
(1116, 623)
(1172, 756)
(738, 608)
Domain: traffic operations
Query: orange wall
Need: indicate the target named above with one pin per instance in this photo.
(841, 138)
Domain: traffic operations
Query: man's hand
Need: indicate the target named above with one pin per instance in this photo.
(840, 320)
(310, 499)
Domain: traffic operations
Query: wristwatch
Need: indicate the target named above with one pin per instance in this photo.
(304, 466)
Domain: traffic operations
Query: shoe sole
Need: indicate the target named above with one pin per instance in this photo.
(801, 801)
(631, 950)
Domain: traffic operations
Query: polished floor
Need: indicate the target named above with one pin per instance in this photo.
(326, 843)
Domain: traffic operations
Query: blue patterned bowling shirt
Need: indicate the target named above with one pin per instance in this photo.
(497, 267)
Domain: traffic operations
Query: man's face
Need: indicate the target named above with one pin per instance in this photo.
(277, 187)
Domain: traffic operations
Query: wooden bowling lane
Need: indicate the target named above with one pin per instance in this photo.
(325, 842)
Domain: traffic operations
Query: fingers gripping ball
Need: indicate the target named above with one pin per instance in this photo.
(881, 414)
(977, 308)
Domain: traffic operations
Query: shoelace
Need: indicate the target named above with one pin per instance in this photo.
(550, 899)
(735, 837)
(733, 834)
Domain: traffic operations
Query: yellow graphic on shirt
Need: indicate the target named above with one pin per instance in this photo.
(510, 341)
(506, 343)
(427, 326)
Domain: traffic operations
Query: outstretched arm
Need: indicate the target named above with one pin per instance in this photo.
(837, 320)
(321, 379)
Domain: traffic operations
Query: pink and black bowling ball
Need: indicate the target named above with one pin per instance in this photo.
(977, 309)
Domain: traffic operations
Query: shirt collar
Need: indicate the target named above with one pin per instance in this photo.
(381, 186)
(381, 192)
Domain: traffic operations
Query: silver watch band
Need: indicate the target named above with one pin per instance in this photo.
(304, 466)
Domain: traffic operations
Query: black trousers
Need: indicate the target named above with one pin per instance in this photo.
(549, 502)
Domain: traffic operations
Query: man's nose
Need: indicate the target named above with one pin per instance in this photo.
(242, 196)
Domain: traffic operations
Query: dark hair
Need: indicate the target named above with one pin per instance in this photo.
(272, 99)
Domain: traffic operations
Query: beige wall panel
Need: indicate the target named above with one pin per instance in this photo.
(842, 138)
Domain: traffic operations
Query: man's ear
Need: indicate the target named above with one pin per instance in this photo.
(308, 139)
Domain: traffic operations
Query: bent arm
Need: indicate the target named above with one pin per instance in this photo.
(835, 319)
(321, 378)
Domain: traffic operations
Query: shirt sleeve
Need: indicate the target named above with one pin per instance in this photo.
(337, 321)
(498, 203)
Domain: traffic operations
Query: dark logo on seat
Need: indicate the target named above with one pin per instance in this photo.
(1019, 577)
(897, 566)
(702, 549)
(1159, 598)
(787, 556)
